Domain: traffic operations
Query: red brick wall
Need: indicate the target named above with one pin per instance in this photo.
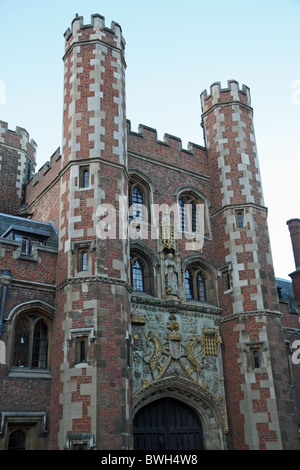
(14, 145)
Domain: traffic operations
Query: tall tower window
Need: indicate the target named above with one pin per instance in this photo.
(137, 203)
(137, 276)
(139, 200)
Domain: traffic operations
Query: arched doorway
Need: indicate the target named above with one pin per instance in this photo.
(167, 424)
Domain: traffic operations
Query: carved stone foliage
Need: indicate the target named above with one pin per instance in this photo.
(169, 341)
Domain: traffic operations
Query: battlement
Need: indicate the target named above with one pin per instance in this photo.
(96, 30)
(19, 138)
(47, 172)
(169, 150)
(168, 139)
(219, 95)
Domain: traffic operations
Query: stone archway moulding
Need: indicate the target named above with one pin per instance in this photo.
(208, 407)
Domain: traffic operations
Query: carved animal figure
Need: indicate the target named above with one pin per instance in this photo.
(158, 348)
(195, 366)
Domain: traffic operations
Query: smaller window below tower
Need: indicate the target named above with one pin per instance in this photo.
(84, 177)
(239, 216)
(81, 349)
(255, 355)
(84, 261)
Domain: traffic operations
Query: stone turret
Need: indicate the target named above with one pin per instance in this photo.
(92, 322)
(251, 323)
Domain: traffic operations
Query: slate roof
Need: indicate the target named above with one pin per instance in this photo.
(29, 225)
(286, 293)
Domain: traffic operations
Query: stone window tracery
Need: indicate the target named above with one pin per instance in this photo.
(139, 200)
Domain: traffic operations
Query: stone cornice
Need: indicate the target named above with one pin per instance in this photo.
(176, 304)
(88, 279)
(255, 313)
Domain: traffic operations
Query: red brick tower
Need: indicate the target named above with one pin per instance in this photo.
(17, 164)
(294, 228)
(255, 363)
(91, 382)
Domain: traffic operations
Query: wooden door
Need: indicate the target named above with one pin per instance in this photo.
(167, 424)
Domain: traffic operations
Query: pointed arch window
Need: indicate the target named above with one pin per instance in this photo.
(193, 214)
(186, 224)
(31, 339)
(139, 199)
(142, 274)
(195, 284)
(138, 275)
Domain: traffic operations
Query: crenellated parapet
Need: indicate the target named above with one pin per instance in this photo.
(18, 139)
(145, 142)
(52, 164)
(221, 96)
(95, 31)
(44, 177)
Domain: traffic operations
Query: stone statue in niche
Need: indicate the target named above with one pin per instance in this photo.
(171, 275)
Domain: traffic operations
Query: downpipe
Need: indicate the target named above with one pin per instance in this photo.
(5, 278)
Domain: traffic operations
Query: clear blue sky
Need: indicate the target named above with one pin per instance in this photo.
(174, 50)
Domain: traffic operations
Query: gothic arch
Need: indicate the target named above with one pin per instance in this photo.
(209, 409)
(141, 181)
(39, 305)
(36, 314)
(137, 174)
